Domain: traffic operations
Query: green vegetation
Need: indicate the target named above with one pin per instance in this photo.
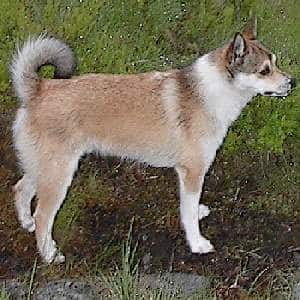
(3, 294)
(124, 282)
(138, 36)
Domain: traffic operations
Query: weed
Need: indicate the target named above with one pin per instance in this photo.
(124, 282)
(3, 294)
(281, 285)
(31, 282)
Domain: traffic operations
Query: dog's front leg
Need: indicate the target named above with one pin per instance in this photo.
(191, 180)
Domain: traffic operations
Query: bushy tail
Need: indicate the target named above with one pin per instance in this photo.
(35, 53)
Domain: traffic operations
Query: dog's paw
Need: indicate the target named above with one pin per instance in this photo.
(28, 224)
(52, 254)
(56, 257)
(59, 257)
(202, 246)
(203, 211)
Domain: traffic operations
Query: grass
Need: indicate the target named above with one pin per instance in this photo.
(3, 294)
(124, 282)
(31, 281)
(138, 36)
(280, 286)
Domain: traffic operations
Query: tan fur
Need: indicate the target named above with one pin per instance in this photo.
(114, 109)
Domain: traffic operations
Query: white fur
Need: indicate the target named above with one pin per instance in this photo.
(190, 214)
(26, 187)
(25, 191)
(35, 53)
(204, 211)
(169, 97)
(280, 87)
(223, 102)
(24, 144)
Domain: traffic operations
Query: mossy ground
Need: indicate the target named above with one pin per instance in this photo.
(252, 188)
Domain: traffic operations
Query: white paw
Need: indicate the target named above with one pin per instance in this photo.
(52, 254)
(202, 246)
(28, 224)
(59, 257)
(203, 211)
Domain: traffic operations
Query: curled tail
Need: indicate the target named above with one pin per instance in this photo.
(35, 53)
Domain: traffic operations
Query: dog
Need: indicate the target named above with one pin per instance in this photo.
(176, 119)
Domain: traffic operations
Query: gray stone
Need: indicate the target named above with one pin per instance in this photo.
(65, 290)
(175, 283)
(297, 291)
(14, 289)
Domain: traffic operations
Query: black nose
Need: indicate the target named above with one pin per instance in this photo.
(293, 82)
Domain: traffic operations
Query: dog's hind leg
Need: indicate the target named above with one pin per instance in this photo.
(191, 180)
(25, 190)
(56, 173)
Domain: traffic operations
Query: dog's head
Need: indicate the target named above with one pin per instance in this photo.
(252, 66)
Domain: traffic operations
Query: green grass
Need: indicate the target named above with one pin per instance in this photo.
(123, 282)
(280, 286)
(31, 281)
(138, 36)
(3, 294)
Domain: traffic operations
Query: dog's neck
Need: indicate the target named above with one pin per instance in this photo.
(222, 99)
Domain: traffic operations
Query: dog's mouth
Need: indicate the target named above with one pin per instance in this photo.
(275, 94)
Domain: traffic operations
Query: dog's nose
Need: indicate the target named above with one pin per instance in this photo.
(292, 82)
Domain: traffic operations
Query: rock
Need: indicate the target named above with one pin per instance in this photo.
(297, 291)
(14, 289)
(65, 290)
(175, 283)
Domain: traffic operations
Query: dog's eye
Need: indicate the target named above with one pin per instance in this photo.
(265, 71)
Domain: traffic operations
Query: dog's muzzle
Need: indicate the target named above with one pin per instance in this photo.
(286, 88)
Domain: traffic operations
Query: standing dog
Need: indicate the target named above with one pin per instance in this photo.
(177, 119)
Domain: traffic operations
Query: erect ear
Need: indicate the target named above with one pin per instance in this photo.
(238, 48)
(250, 29)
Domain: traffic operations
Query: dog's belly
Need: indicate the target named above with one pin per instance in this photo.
(145, 149)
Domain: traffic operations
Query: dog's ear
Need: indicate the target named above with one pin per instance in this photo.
(238, 48)
(250, 29)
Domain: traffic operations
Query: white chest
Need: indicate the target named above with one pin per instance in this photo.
(223, 104)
